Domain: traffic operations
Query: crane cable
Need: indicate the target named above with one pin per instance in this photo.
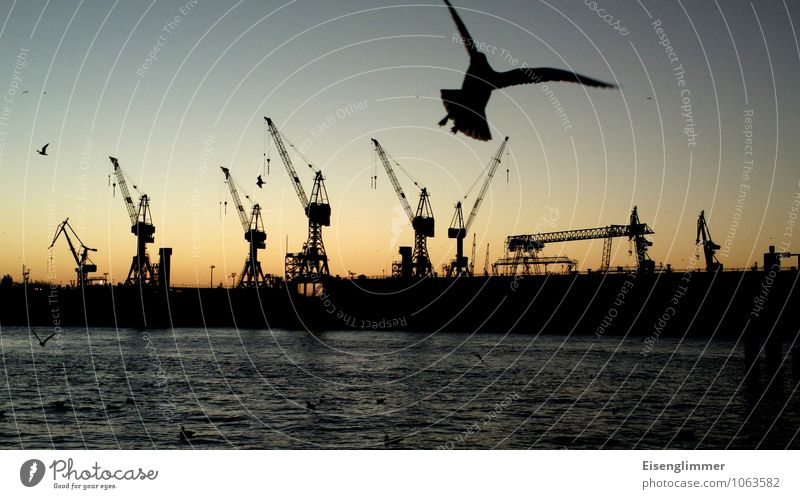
(484, 173)
(481, 176)
(296, 150)
(373, 179)
(398, 165)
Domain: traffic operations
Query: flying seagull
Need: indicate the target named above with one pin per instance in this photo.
(43, 150)
(42, 342)
(260, 182)
(467, 106)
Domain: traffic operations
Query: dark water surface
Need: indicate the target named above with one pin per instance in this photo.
(251, 389)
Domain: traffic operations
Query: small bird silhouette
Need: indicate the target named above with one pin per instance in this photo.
(2, 412)
(391, 441)
(43, 150)
(25, 91)
(381, 401)
(130, 401)
(478, 356)
(185, 434)
(260, 182)
(311, 406)
(467, 106)
(60, 406)
(42, 342)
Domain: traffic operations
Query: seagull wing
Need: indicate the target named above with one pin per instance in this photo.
(48, 338)
(468, 42)
(521, 76)
(37, 336)
(44, 148)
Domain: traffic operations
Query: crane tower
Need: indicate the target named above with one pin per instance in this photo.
(458, 229)
(422, 221)
(141, 271)
(311, 264)
(85, 265)
(254, 234)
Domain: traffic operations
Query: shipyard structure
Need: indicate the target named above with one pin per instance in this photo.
(526, 291)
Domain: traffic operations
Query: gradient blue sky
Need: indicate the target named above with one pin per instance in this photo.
(334, 74)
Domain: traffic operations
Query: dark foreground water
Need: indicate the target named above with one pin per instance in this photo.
(246, 389)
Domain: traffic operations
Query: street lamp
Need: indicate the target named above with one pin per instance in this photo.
(212, 276)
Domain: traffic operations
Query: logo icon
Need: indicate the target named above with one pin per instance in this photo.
(31, 472)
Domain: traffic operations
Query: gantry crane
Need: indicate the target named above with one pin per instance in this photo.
(709, 247)
(254, 234)
(637, 233)
(422, 221)
(526, 247)
(85, 265)
(458, 229)
(142, 271)
(312, 263)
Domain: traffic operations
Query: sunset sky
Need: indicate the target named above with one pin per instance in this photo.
(707, 117)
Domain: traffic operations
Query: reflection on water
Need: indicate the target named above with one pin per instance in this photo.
(286, 389)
